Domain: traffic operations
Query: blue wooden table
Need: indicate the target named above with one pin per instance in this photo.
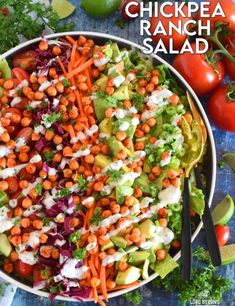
(225, 180)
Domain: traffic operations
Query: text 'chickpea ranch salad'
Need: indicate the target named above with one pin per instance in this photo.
(91, 155)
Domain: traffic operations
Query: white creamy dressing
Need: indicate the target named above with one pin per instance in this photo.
(147, 114)
(124, 126)
(170, 195)
(22, 84)
(69, 269)
(120, 113)
(2, 129)
(15, 101)
(20, 142)
(35, 104)
(123, 54)
(29, 211)
(91, 246)
(5, 222)
(130, 77)
(116, 256)
(26, 191)
(15, 170)
(55, 102)
(48, 200)
(39, 129)
(59, 242)
(44, 85)
(29, 258)
(135, 121)
(13, 203)
(88, 201)
(101, 62)
(145, 202)
(4, 151)
(118, 80)
(165, 161)
(159, 98)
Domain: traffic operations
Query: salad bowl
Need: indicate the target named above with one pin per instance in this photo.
(209, 166)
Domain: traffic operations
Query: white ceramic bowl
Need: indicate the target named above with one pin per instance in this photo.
(211, 155)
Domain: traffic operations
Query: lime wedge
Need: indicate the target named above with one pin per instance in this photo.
(227, 254)
(63, 8)
(229, 158)
(223, 212)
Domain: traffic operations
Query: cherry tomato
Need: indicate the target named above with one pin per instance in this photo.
(13, 184)
(198, 72)
(22, 104)
(24, 175)
(23, 269)
(229, 66)
(221, 107)
(25, 59)
(134, 9)
(177, 38)
(228, 7)
(20, 74)
(25, 133)
(12, 130)
(222, 234)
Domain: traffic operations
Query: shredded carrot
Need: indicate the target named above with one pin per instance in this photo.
(87, 74)
(81, 68)
(61, 65)
(95, 294)
(103, 282)
(71, 131)
(88, 216)
(71, 78)
(79, 102)
(65, 127)
(97, 261)
(70, 39)
(92, 267)
(101, 302)
(73, 54)
(81, 60)
(123, 287)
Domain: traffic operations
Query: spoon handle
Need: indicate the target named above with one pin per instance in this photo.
(212, 243)
(186, 235)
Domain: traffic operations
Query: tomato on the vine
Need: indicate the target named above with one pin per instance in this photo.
(222, 234)
(198, 72)
(134, 8)
(23, 269)
(221, 107)
(228, 7)
(178, 39)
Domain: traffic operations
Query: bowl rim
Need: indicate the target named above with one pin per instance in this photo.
(202, 112)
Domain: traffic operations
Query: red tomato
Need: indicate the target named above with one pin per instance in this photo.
(178, 38)
(222, 234)
(20, 74)
(12, 130)
(24, 175)
(25, 59)
(25, 133)
(228, 7)
(198, 72)
(23, 269)
(134, 8)
(221, 107)
(13, 184)
(229, 66)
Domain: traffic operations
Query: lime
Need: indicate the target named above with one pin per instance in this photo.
(223, 212)
(5, 69)
(229, 158)
(227, 254)
(63, 8)
(101, 8)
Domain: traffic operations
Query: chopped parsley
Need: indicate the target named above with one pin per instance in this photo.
(38, 189)
(49, 119)
(74, 237)
(65, 82)
(45, 221)
(138, 101)
(115, 175)
(134, 297)
(63, 193)
(79, 253)
(97, 217)
(45, 273)
(48, 156)
(82, 183)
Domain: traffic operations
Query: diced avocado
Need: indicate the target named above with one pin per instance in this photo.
(106, 126)
(131, 249)
(131, 275)
(122, 93)
(145, 272)
(100, 106)
(152, 256)
(148, 228)
(101, 82)
(157, 246)
(128, 63)
(107, 245)
(138, 257)
(121, 192)
(5, 246)
(131, 129)
(5, 69)
(102, 160)
(156, 130)
(142, 182)
(118, 241)
(146, 168)
(116, 51)
(165, 266)
(3, 198)
(116, 146)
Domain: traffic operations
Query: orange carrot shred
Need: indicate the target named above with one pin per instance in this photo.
(87, 74)
(103, 282)
(92, 267)
(79, 102)
(70, 39)
(71, 131)
(81, 68)
(81, 60)
(61, 65)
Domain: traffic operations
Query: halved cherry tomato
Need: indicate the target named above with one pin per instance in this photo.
(221, 107)
(22, 104)
(23, 269)
(12, 130)
(198, 72)
(20, 74)
(177, 38)
(25, 59)
(228, 7)
(13, 184)
(222, 234)
(25, 133)
(24, 175)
